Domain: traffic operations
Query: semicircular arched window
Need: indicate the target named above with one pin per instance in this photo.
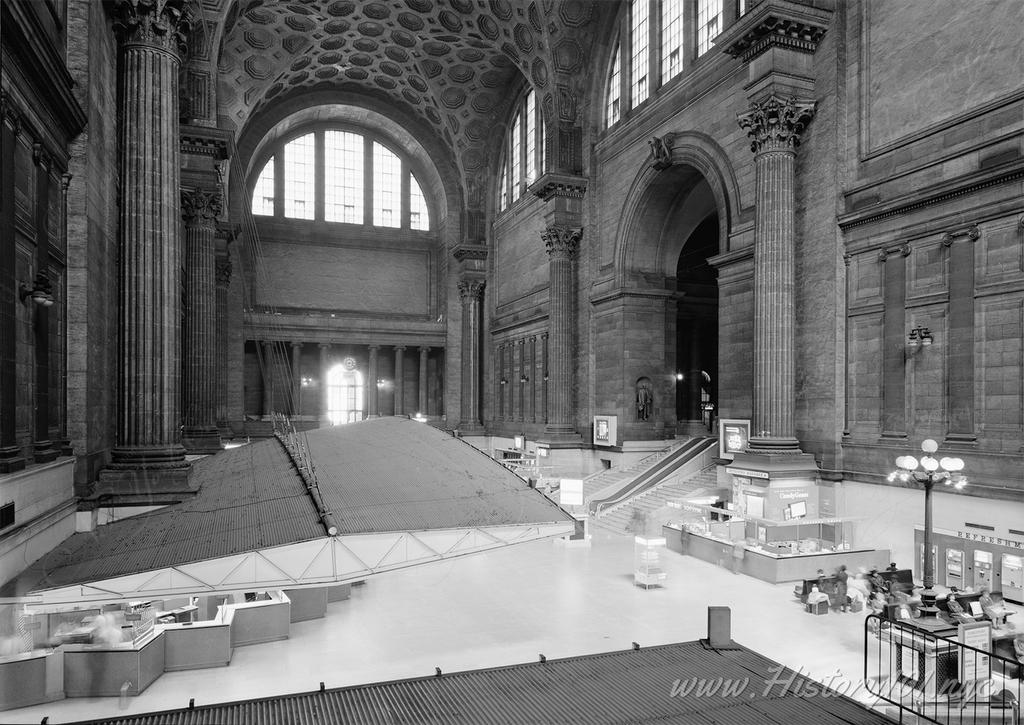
(336, 175)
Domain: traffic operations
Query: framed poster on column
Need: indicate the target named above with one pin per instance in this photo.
(605, 430)
(733, 435)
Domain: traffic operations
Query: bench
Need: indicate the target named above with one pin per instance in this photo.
(966, 600)
(898, 580)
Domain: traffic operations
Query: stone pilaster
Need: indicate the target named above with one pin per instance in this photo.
(296, 378)
(424, 353)
(325, 401)
(11, 457)
(562, 245)
(372, 385)
(544, 377)
(399, 380)
(471, 294)
(268, 378)
(522, 379)
(200, 209)
(222, 276)
(774, 126)
(148, 456)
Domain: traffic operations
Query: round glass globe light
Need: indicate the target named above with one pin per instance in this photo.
(929, 464)
(907, 462)
(929, 446)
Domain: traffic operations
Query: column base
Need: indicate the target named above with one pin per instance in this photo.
(774, 445)
(560, 437)
(44, 451)
(130, 478)
(11, 459)
(66, 449)
(199, 441)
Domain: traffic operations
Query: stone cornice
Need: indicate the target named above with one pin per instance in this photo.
(469, 251)
(935, 194)
(776, 24)
(554, 184)
(204, 141)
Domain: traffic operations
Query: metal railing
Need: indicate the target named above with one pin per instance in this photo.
(297, 446)
(935, 677)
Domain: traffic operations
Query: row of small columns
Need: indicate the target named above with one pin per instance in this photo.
(372, 397)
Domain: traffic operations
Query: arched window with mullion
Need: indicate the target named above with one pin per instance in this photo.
(299, 177)
(524, 156)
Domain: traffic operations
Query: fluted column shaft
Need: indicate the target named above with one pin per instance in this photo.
(200, 210)
(223, 282)
(372, 390)
(471, 293)
(148, 421)
(775, 126)
(562, 245)
(424, 352)
(399, 380)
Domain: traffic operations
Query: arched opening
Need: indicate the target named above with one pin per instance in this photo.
(697, 330)
(345, 394)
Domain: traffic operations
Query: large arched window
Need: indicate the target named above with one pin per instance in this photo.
(364, 182)
(523, 151)
(659, 40)
(344, 393)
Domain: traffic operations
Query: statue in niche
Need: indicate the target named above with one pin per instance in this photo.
(644, 399)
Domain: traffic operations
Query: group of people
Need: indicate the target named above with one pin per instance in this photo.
(855, 592)
(993, 611)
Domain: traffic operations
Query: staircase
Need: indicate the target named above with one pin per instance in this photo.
(606, 479)
(619, 519)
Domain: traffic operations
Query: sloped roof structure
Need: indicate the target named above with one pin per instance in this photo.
(634, 686)
(398, 493)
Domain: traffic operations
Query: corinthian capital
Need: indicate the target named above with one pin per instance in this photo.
(200, 206)
(471, 289)
(160, 23)
(776, 123)
(563, 242)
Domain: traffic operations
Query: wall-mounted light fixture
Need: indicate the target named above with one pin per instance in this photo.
(545, 375)
(919, 337)
(503, 381)
(306, 382)
(679, 376)
(381, 382)
(39, 292)
(524, 378)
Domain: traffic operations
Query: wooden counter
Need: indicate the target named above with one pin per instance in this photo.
(768, 567)
(196, 646)
(266, 620)
(31, 678)
(100, 670)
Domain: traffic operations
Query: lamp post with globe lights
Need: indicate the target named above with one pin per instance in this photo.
(929, 471)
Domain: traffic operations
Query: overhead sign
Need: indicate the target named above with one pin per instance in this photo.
(746, 473)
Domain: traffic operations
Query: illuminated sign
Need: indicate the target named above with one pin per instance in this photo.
(605, 430)
(733, 436)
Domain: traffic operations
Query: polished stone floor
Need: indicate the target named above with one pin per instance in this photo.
(505, 607)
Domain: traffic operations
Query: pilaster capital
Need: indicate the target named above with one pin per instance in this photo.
(399, 348)
(324, 346)
(471, 289)
(223, 272)
(903, 250)
(163, 24)
(373, 348)
(9, 112)
(776, 124)
(296, 345)
(562, 242)
(199, 206)
(424, 350)
(971, 233)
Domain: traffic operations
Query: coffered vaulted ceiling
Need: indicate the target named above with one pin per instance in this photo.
(451, 63)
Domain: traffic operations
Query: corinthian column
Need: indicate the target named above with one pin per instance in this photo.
(148, 452)
(471, 294)
(775, 126)
(562, 244)
(200, 209)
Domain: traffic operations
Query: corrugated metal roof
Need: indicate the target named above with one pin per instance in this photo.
(617, 687)
(382, 475)
(427, 480)
(249, 498)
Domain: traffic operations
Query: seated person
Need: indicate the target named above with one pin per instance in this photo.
(878, 584)
(910, 605)
(1018, 647)
(995, 612)
(816, 595)
(855, 595)
(877, 603)
(956, 612)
